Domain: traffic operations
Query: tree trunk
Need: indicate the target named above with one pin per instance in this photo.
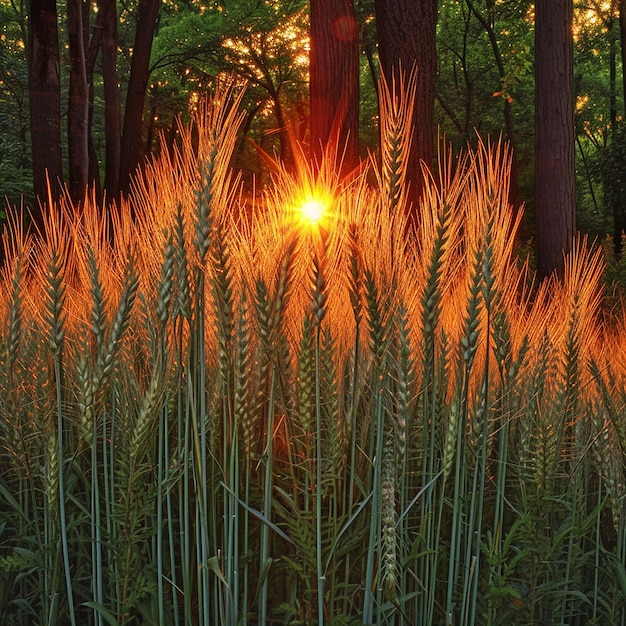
(131, 146)
(334, 79)
(554, 134)
(91, 54)
(78, 105)
(112, 113)
(45, 100)
(406, 38)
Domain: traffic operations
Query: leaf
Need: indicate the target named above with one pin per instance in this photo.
(619, 569)
(24, 605)
(103, 611)
(259, 515)
(344, 528)
(265, 570)
(4, 492)
(418, 495)
(214, 566)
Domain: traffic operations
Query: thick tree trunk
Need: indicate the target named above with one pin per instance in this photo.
(334, 79)
(78, 106)
(407, 37)
(112, 113)
(45, 99)
(131, 146)
(555, 196)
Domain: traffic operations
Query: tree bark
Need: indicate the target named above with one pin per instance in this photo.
(112, 112)
(334, 79)
(78, 105)
(406, 38)
(45, 100)
(555, 196)
(131, 145)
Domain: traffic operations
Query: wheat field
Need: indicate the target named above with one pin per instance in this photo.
(215, 411)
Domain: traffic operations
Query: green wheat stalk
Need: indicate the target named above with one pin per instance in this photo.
(56, 322)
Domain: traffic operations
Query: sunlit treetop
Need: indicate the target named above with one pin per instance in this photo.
(589, 19)
(263, 42)
(256, 51)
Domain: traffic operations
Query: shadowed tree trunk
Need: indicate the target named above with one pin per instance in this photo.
(131, 145)
(45, 99)
(78, 105)
(83, 164)
(112, 113)
(554, 134)
(406, 38)
(334, 79)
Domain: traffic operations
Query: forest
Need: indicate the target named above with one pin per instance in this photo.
(121, 90)
(312, 312)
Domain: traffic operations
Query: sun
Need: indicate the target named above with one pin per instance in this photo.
(312, 210)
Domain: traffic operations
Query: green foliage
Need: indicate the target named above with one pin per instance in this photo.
(259, 42)
(470, 91)
(15, 175)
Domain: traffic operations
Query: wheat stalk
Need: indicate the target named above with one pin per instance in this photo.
(182, 306)
(389, 560)
(396, 112)
(120, 321)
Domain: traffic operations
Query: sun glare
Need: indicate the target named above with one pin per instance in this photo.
(312, 210)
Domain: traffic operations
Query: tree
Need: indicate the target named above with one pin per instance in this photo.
(334, 79)
(268, 60)
(555, 197)
(45, 94)
(44, 90)
(131, 145)
(112, 111)
(78, 104)
(407, 37)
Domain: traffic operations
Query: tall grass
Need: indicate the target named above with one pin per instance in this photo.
(214, 412)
